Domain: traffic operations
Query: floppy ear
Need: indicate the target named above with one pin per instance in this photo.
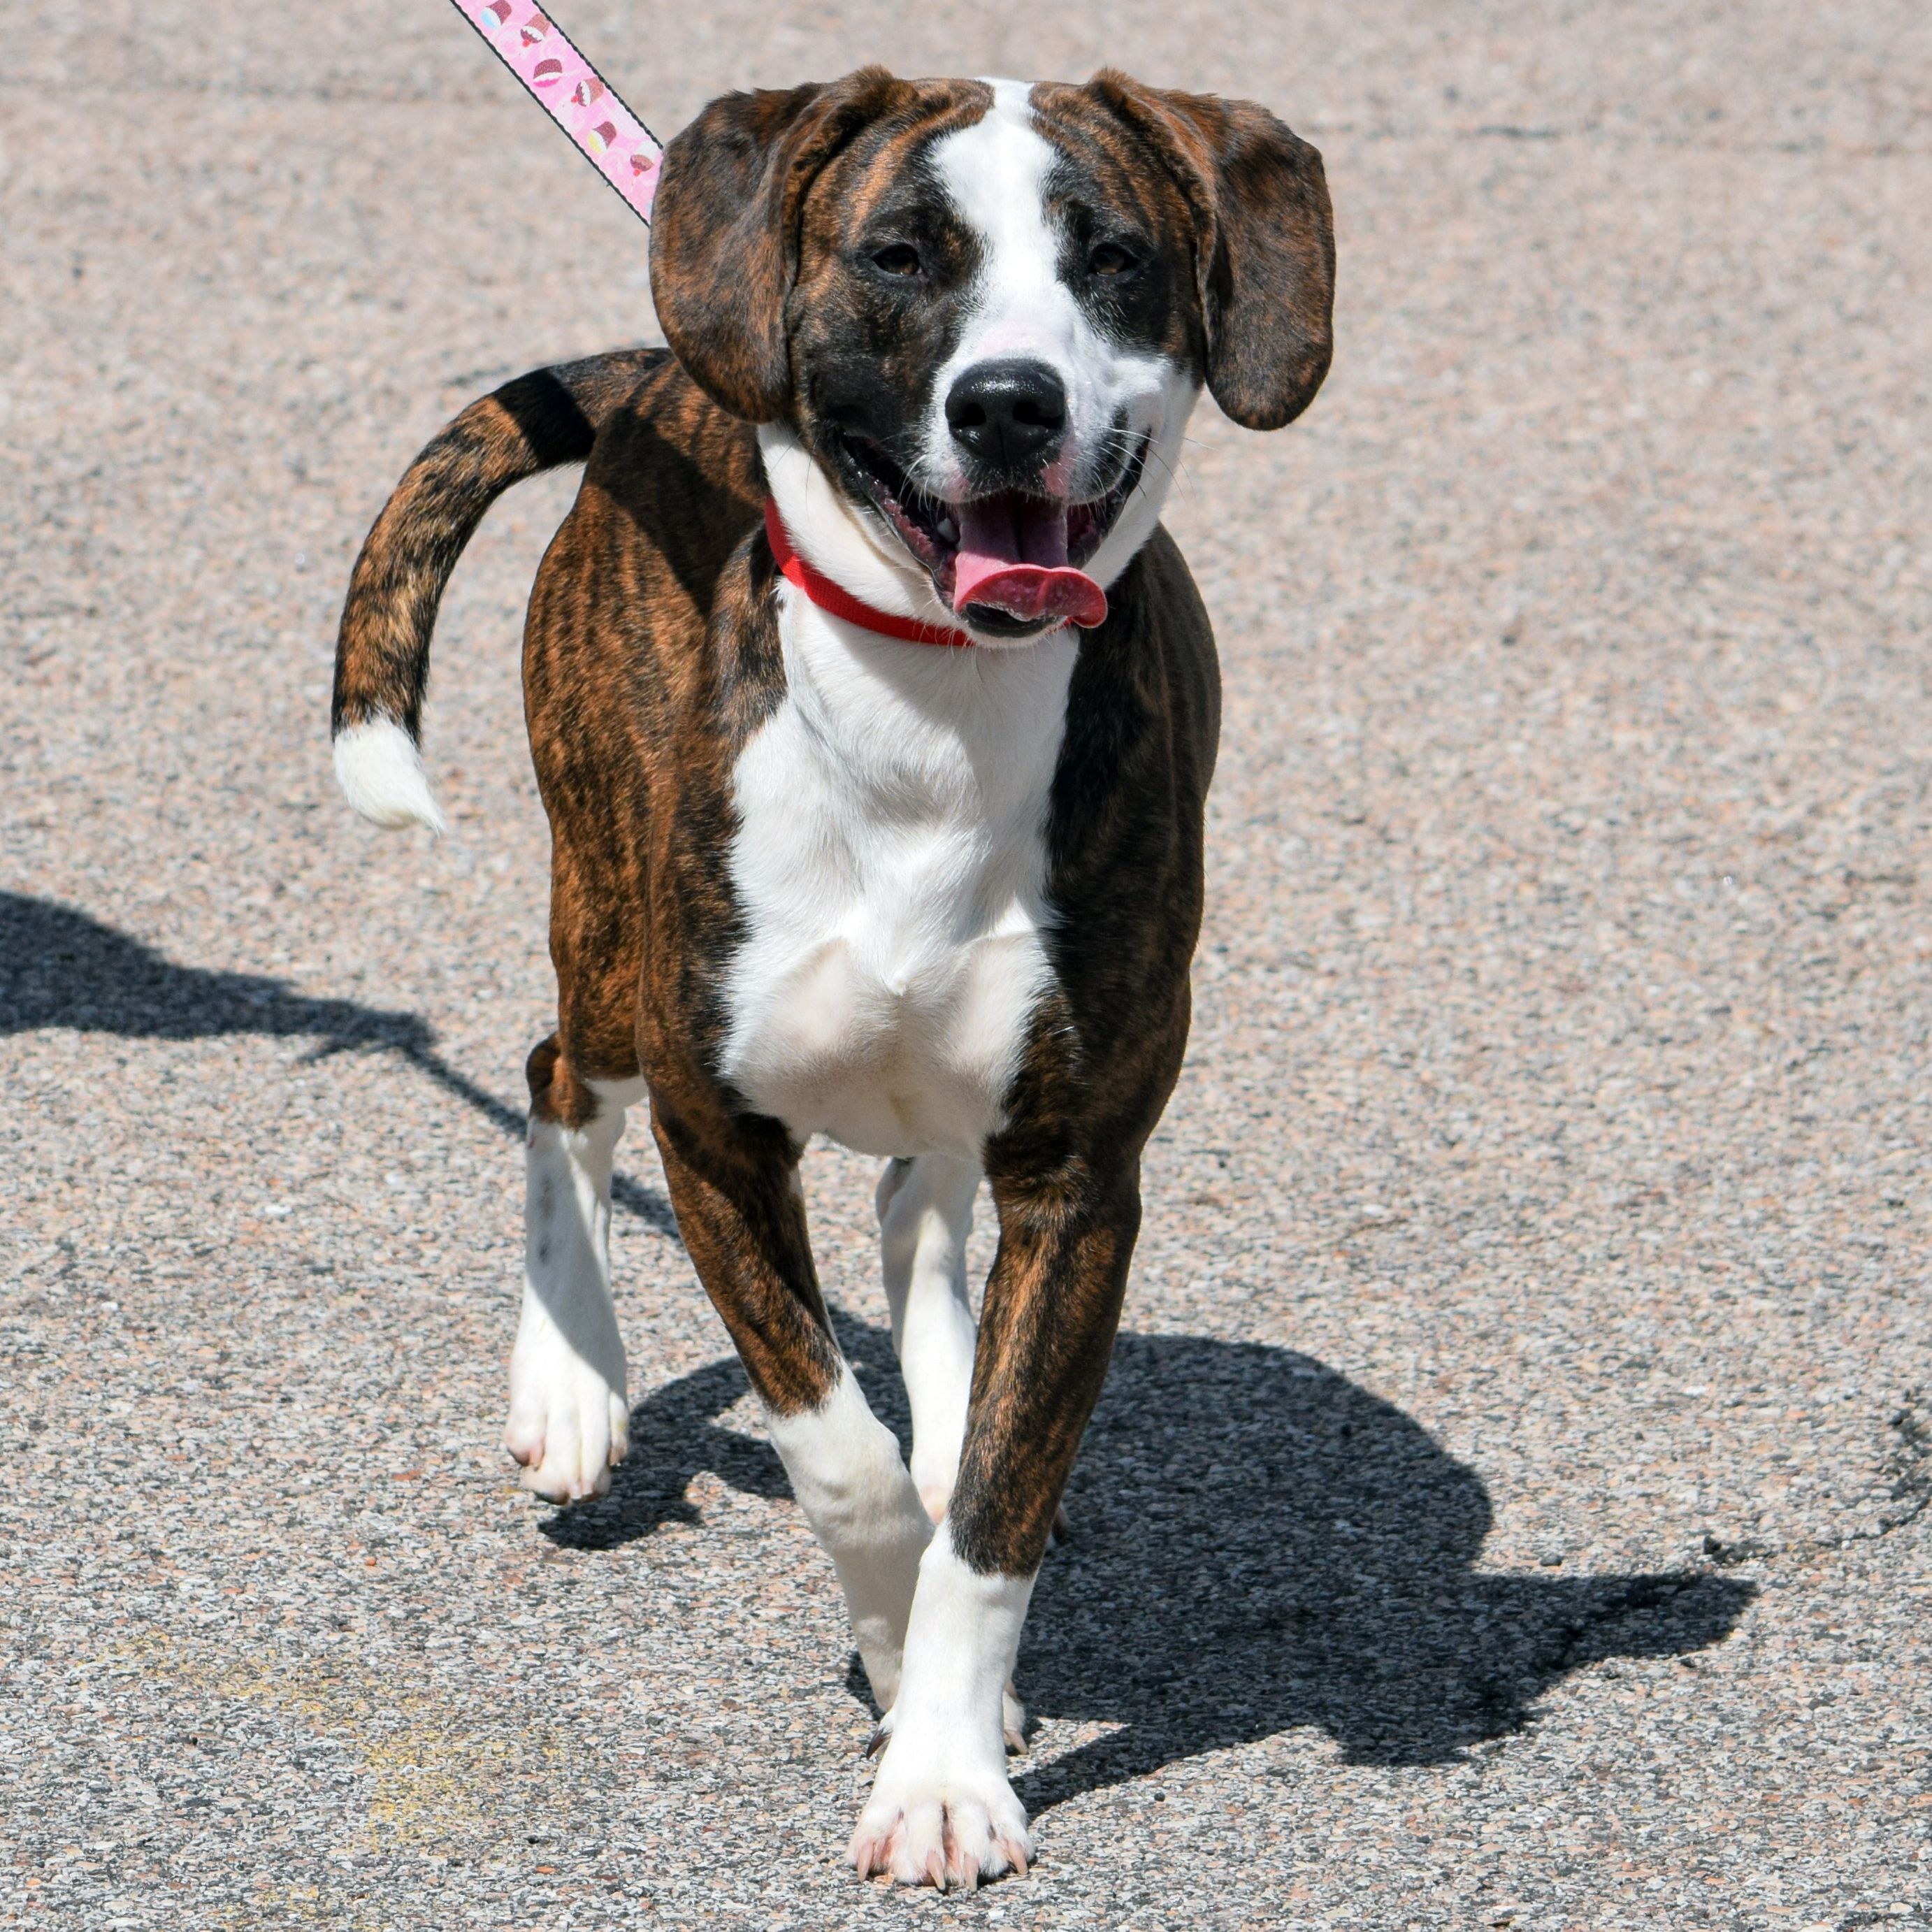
(724, 234)
(1264, 242)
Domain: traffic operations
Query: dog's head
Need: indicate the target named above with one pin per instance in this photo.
(985, 310)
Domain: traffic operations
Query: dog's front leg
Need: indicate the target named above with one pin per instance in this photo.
(736, 1191)
(942, 1811)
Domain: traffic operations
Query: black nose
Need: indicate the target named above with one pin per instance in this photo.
(1006, 413)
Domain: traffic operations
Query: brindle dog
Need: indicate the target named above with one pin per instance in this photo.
(937, 900)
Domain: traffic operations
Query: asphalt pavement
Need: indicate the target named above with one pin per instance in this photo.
(1509, 1504)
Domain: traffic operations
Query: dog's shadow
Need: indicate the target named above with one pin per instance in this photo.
(60, 968)
(1258, 1544)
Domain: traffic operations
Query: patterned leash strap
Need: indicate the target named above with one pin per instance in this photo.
(574, 95)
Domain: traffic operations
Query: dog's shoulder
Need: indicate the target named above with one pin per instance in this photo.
(681, 471)
(1145, 704)
(621, 673)
(1174, 633)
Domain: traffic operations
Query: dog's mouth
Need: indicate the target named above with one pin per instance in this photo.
(1009, 562)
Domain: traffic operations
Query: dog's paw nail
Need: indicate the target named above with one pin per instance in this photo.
(1013, 1719)
(942, 1825)
(878, 1741)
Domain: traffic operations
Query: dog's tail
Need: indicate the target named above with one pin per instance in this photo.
(549, 417)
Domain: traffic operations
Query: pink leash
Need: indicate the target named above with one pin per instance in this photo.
(574, 94)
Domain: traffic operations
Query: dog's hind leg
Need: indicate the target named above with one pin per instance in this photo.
(734, 1184)
(925, 1214)
(569, 1417)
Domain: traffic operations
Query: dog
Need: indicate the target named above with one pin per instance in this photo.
(874, 711)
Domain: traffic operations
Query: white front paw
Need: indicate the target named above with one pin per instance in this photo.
(568, 1427)
(933, 1821)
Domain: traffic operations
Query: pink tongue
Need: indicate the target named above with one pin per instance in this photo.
(1012, 558)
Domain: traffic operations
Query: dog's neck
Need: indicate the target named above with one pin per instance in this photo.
(840, 540)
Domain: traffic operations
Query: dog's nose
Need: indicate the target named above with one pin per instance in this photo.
(1007, 412)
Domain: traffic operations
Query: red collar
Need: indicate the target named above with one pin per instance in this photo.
(840, 602)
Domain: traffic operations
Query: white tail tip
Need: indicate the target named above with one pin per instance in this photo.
(381, 774)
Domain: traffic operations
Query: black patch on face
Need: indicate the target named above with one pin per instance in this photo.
(869, 332)
(1121, 270)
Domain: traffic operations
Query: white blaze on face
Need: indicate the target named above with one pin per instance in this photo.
(996, 173)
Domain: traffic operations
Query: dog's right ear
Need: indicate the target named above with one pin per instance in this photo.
(725, 229)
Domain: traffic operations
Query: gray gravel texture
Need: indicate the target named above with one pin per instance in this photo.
(1508, 1504)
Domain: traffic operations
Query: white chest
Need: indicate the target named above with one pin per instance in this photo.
(890, 865)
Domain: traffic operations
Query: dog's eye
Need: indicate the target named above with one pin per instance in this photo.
(901, 259)
(1110, 258)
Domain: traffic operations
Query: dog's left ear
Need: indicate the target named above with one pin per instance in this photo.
(1264, 241)
(724, 233)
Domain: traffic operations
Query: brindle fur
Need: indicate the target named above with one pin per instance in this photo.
(652, 656)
